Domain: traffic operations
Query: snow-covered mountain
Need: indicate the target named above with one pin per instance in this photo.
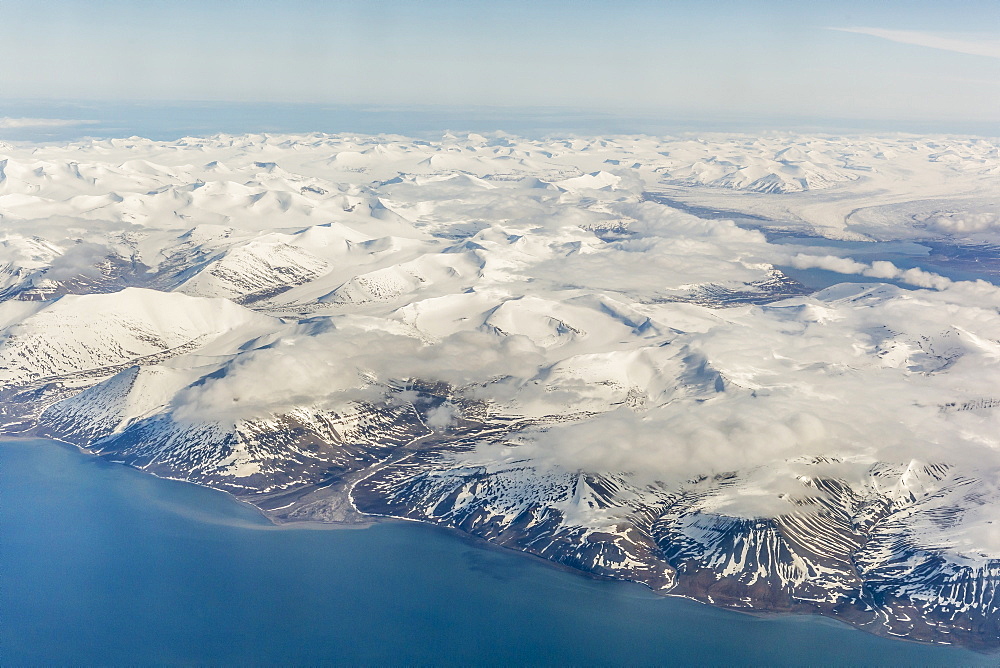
(566, 347)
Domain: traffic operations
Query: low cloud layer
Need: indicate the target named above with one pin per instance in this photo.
(963, 223)
(8, 123)
(336, 367)
(878, 269)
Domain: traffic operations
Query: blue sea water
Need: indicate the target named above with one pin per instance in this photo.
(170, 119)
(105, 565)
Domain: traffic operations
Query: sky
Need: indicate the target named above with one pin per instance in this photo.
(851, 59)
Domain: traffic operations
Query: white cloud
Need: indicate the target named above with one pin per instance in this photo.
(441, 416)
(840, 265)
(877, 269)
(965, 222)
(8, 123)
(971, 44)
(681, 440)
(79, 260)
(340, 365)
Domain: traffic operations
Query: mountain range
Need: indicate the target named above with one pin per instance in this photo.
(607, 352)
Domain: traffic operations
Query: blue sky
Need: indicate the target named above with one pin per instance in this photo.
(912, 60)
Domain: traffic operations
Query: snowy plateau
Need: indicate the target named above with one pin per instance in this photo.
(592, 350)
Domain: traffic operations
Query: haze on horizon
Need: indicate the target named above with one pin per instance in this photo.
(856, 60)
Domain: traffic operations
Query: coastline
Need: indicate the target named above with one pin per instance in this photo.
(478, 542)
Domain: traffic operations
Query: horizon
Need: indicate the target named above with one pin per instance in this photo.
(56, 121)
